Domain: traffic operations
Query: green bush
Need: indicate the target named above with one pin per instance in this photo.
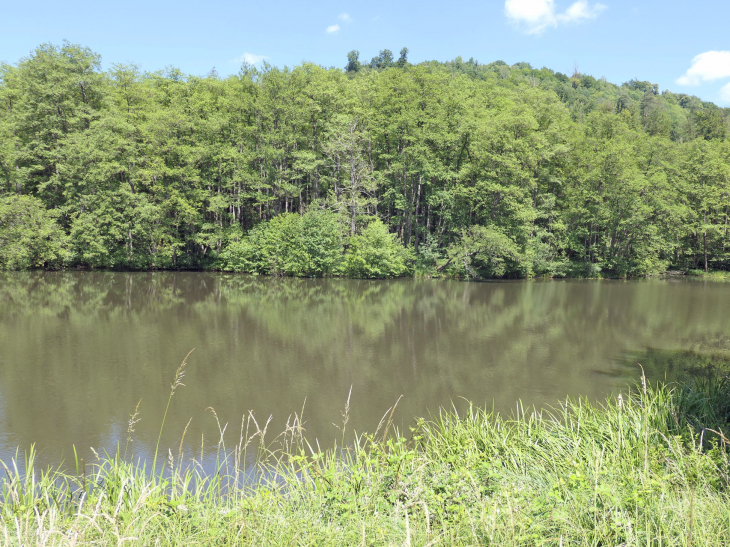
(376, 253)
(292, 245)
(30, 237)
(322, 243)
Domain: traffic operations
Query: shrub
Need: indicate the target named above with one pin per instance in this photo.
(376, 253)
(322, 243)
(291, 245)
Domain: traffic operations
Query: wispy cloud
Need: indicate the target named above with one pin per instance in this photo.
(706, 67)
(534, 16)
(333, 28)
(250, 58)
(345, 17)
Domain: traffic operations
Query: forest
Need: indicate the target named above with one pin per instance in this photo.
(374, 169)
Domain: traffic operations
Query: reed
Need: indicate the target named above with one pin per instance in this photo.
(179, 375)
(648, 467)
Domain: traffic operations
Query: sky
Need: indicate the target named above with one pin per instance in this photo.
(682, 46)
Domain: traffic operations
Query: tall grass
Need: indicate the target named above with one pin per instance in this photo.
(649, 467)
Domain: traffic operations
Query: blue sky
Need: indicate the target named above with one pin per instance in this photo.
(682, 46)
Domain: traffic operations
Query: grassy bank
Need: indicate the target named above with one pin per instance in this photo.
(712, 274)
(650, 467)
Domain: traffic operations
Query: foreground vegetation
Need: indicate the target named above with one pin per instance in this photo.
(649, 467)
(375, 170)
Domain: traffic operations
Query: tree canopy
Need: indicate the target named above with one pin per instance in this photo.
(469, 169)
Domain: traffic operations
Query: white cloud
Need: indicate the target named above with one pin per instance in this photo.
(345, 17)
(250, 58)
(725, 93)
(537, 15)
(580, 11)
(333, 28)
(706, 67)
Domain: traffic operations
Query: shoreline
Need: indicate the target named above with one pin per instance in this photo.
(712, 274)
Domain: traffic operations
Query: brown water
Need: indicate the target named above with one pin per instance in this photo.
(78, 350)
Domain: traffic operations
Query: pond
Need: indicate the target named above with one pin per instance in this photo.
(79, 350)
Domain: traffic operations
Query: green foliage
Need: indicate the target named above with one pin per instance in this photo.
(121, 230)
(353, 61)
(312, 245)
(321, 243)
(481, 252)
(376, 253)
(309, 245)
(383, 60)
(711, 124)
(30, 236)
(165, 170)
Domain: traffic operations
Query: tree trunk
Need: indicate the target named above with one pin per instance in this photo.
(704, 240)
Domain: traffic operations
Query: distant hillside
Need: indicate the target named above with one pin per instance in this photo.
(676, 115)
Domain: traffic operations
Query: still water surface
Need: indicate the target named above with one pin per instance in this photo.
(78, 350)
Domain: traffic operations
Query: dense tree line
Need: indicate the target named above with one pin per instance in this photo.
(374, 170)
